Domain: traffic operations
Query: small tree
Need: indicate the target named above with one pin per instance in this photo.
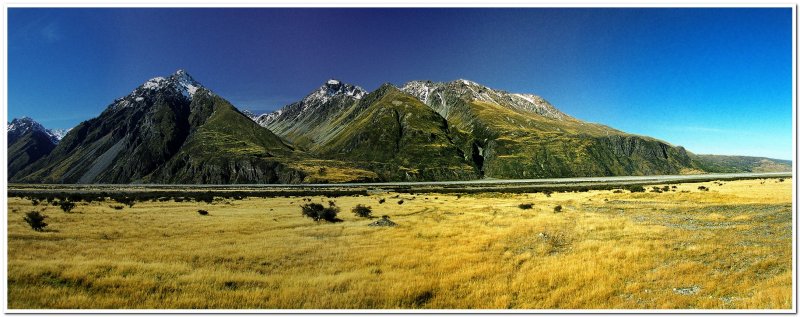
(35, 220)
(66, 205)
(362, 211)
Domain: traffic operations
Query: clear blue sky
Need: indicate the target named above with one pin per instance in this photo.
(713, 80)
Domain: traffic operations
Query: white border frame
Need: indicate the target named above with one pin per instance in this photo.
(383, 4)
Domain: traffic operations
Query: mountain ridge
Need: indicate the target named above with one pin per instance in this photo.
(172, 129)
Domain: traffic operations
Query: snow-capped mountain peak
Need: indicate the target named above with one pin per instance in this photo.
(20, 126)
(59, 133)
(24, 124)
(186, 83)
(334, 87)
(420, 89)
(180, 80)
(434, 94)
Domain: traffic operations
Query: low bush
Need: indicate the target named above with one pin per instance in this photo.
(703, 188)
(35, 220)
(525, 206)
(126, 200)
(66, 206)
(362, 211)
(203, 212)
(319, 212)
(558, 208)
(383, 200)
(655, 190)
(636, 189)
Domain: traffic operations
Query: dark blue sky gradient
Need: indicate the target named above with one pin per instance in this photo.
(713, 80)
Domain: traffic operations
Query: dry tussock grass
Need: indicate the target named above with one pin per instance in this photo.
(729, 247)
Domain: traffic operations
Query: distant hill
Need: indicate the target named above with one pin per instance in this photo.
(740, 164)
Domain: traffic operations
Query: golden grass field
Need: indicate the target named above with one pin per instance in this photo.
(730, 247)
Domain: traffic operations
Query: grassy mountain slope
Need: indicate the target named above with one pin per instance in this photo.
(398, 137)
(523, 136)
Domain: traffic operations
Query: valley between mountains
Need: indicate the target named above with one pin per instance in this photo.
(174, 130)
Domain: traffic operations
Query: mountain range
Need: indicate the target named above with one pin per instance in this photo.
(174, 130)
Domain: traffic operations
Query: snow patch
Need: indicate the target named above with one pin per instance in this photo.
(154, 83)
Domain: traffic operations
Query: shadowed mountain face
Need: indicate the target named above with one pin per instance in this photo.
(174, 130)
(28, 141)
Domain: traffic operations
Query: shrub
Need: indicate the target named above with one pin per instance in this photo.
(703, 188)
(319, 212)
(66, 205)
(525, 206)
(203, 212)
(126, 200)
(780, 180)
(362, 211)
(400, 202)
(35, 220)
(383, 200)
(35, 201)
(206, 198)
(557, 208)
(665, 188)
(118, 207)
(636, 189)
(655, 190)
(618, 191)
